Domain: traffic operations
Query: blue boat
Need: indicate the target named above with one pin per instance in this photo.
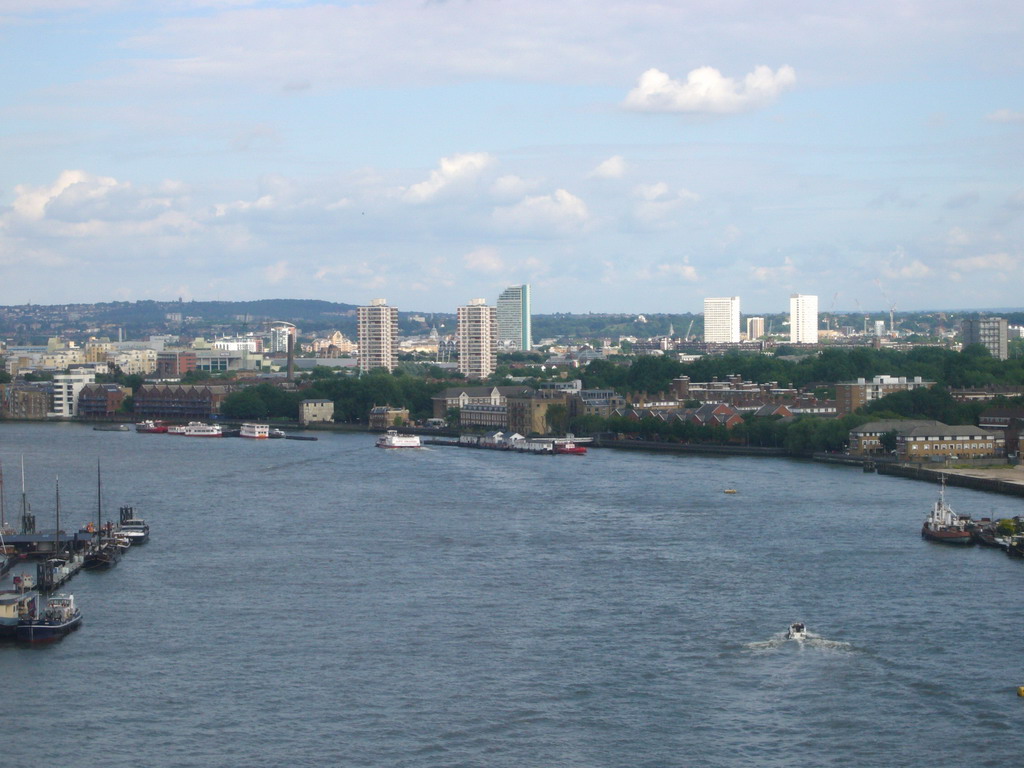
(49, 624)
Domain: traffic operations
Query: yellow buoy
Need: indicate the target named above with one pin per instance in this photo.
(1020, 690)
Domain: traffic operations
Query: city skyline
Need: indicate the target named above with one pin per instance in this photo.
(616, 157)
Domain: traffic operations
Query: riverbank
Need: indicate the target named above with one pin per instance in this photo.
(1007, 480)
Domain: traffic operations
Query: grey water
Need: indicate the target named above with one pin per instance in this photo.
(330, 604)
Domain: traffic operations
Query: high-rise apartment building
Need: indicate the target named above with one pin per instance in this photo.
(803, 319)
(514, 331)
(755, 328)
(991, 332)
(478, 339)
(280, 332)
(722, 320)
(378, 336)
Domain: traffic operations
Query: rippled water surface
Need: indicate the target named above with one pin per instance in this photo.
(327, 603)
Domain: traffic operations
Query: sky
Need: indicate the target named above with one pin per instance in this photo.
(619, 156)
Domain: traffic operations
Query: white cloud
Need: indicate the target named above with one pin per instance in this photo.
(484, 260)
(998, 262)
(613, 168)
(684, 271)
(560, 212)
(957, 237)
(658, 202)
(900, 269)
(276, 273)
(1005, 116)
(454, 171)
(32, 202)
(778, 274)
(707, 90)
(511, 187)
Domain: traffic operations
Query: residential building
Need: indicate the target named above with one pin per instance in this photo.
(991, 332)
(316, 411)
(755, 328)
(25, 400)
(385, 417)
(528, 414)
(478, 339)
(174, 365)
(66, 388)
(98, 401)
(179, 402)
(463, 397)
(513, 313)
(722, 320)
(378, 336)
(803, 319)
(866, 439)
(851, 395)
(940, 442)
(280, 334)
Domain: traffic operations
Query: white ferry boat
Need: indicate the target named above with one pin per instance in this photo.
(391, 439)
(255, 431)
(199, 429)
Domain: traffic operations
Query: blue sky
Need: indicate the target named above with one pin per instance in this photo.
(619, 156)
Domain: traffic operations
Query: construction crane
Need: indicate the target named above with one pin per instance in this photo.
(687, 337)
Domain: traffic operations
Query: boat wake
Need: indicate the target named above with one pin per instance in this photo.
(780, 641)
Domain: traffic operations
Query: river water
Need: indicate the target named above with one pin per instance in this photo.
(330, 604)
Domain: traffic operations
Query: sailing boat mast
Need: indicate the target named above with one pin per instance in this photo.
(56, 544)
(99, 500)
(3, 515)
(28, 520)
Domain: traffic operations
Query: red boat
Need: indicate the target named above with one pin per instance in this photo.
(569, 446)
(153, 427)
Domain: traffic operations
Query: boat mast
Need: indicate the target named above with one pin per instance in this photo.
(3, 516)
(56, 545)
(99, 501)
(28, 521)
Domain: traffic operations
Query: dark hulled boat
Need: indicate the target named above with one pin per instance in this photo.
(50, 622)
(943, 524)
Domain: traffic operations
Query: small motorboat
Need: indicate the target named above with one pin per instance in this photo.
(797, 631)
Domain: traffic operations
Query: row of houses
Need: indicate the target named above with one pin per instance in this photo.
(925, 440)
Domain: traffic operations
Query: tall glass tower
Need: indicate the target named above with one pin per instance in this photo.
(514, 330)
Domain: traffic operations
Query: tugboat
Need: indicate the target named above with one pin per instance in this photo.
(59, 617)
(797, 631)
(943, 524)
(151, 427)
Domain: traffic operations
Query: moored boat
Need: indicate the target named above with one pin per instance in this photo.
(255, 431)
(391, 439)
(943, 524)
(135, 529)
(151, 427)
(49, 622)
(200, 429)
(569, 445)
(14, 604)
(111, 428)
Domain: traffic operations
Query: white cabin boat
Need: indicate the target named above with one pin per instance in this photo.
(391, 439)
(199, 429)
(255, 431)
(797, 631)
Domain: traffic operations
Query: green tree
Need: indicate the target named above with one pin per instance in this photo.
(557, 419)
